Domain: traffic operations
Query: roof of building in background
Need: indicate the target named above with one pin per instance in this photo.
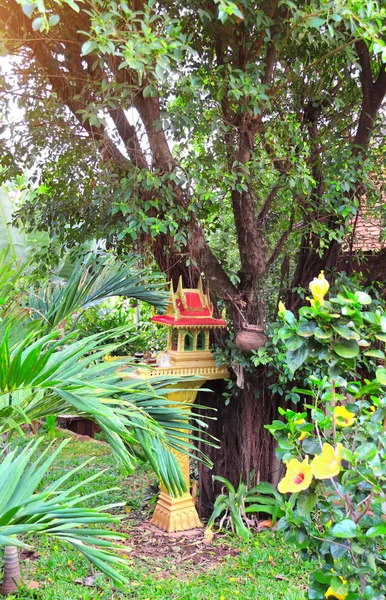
(368, 232)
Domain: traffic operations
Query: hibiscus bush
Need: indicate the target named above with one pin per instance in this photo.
(335, 450)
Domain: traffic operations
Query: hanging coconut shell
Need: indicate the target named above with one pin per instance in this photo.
(250, 337)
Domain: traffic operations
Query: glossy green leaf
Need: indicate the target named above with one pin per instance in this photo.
(345, 529)
(366, 451)
(375, 354)
(323, 334)
(306, 328)
(294, 342)
(346, 348)
(363, 298)
(380, 375)
(88, 47)
(376, 530)
(38, 24)
(295, 358)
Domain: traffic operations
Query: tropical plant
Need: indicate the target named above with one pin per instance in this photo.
(143, 336)
(56, 511)
(43, 374)
(92, 279)
(335, 450)
(50, 424)
(234, 507)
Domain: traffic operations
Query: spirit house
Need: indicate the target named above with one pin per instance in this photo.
(189, 319)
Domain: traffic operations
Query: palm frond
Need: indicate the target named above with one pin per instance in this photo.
(91, 282)
(23, 511)
(52, 376)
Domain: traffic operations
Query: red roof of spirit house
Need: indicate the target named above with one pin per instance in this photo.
(189, 308)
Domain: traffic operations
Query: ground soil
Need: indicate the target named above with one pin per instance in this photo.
(189, 548)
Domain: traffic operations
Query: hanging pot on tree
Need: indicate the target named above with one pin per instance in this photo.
(250, 337)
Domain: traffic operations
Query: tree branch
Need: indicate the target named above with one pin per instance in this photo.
(129, 137)
(60, 81)
(150, 113)
(372, 97)
(268, 203)
(281, 242)
(210, 265)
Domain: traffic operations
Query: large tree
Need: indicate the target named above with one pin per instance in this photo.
(226, 138)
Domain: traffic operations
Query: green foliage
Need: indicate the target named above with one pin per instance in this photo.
(91, 281)
(139, 335)
(10, 237)
(339, 516)
(50, 424)
(234, 507)
(203, 94)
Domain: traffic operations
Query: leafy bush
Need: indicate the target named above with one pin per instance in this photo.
(140, 335)
(234, 507)
(335, 451)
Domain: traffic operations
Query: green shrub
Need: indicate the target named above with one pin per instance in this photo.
(335, 450)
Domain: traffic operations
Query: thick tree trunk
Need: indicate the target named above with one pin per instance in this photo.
(308, 266)
(247, 448)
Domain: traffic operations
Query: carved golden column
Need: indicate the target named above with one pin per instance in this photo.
(178, 513)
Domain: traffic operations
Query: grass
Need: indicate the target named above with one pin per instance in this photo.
(262, 568)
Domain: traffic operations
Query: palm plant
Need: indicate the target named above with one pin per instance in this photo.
(43, 373)
(91, 281)
(54, 511)
(51, 376)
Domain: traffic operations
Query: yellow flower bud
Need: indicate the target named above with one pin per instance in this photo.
(333, 595)
(319, 287)
(281, 308)
(303, 434)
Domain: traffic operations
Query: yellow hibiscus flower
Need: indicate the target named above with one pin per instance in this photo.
(281, 308)
(319, 287)
(297, 478)
(331, 595)
(343, 417)
(327, 464)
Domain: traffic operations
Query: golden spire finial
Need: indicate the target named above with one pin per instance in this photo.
(180, 293)
(208, 300)
(201, 292)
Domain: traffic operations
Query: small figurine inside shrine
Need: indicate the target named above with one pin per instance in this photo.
(189, 318)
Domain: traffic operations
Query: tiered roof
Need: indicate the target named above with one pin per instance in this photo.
(189, 308)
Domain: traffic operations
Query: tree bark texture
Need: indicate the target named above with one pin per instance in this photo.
(247, 448)
(12, 575)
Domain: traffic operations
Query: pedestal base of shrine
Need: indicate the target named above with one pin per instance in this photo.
(175, 514)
